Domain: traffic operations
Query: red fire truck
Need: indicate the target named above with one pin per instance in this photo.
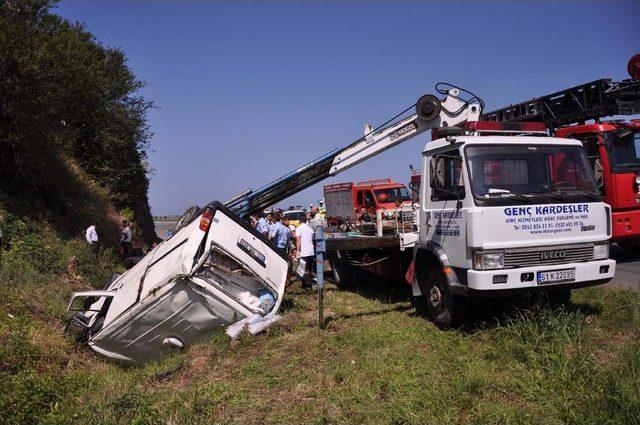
(351, 202)
(613, 146)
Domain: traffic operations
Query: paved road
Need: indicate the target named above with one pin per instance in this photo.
(627, 269)
(164, 225)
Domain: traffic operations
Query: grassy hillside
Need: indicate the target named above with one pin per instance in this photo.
(73, 125)
(376, 362)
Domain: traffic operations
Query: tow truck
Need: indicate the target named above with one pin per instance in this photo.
(499, 215)
(613, 146)
(504, 210)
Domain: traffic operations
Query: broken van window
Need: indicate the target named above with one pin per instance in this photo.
(228, 275)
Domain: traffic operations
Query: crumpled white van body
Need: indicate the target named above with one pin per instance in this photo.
(213, 272)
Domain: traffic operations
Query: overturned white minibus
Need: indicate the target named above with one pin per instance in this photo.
(214, 271)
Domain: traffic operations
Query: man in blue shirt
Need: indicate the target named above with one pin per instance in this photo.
(271, 222)
(282, 235)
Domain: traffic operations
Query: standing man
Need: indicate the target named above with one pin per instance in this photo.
(321, 209)
(253, 220)
(282, 235)
(271, 224)
(92, 239)
(262, 226)
(304, 246)
(317, 220)
(125, 239)
(310, 220)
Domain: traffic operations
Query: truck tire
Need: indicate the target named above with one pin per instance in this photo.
(559, 297)
(443, 309)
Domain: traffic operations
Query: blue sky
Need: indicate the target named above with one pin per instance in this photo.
(248, 91)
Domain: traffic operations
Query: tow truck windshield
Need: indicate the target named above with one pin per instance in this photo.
(393, 194)
(624, 149)
(517, 174)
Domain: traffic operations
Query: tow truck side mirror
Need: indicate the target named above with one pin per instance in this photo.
(436, 172)
(438, 177)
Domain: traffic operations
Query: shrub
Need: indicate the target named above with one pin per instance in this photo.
(34, 244)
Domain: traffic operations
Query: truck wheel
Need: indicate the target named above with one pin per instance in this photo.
(560, 297)
(442, 308)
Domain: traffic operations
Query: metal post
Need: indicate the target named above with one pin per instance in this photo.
(320, 250)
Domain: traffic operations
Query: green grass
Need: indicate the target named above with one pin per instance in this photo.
(376, 361)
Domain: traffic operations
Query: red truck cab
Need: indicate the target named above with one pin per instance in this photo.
(351, 202)
(613, 148)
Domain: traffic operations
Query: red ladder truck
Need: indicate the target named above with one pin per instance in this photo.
(613, 146)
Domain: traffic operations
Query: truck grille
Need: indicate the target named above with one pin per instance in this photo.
(548, 255)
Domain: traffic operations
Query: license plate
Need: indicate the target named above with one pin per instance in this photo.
(555, 276)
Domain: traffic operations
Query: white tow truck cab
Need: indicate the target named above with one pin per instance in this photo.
(502, 215)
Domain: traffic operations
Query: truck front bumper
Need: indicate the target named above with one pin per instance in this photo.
(481, 282)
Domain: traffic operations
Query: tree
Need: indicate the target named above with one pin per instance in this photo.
(65, 98)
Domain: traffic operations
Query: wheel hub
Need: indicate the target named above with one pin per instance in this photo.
(435, 297)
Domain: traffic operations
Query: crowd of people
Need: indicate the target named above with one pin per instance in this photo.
(293, 242)
(296, 243)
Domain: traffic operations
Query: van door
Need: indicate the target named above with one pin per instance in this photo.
(239, 260)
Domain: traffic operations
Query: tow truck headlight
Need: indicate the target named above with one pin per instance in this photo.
(488, 260)
(601, 251)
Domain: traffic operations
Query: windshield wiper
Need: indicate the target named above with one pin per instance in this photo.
(507, 194)
(591, 195)
(551, 195)
(560, 197)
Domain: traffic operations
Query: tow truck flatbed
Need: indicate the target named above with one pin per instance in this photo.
(337, 242)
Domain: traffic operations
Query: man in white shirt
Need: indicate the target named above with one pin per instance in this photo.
(305, 249)
(262, 226)
(92, 239)
(315, 220)
(126, 250)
